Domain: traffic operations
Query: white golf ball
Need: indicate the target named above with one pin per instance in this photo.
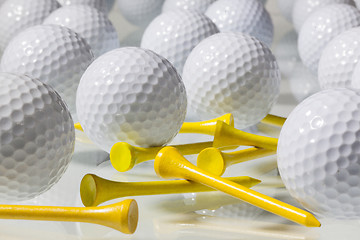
(174, 34)
(232, 73)
(303, 8)
(286, 8)
(355, 79)
(302, 83)
(339, 59)
(53, 54)
(131, 95)
(101, 5)
(37, 137)
(242, 16)
(91, 24)
(194, 5)
(140, 12)
(17, 15)
(319, 153)
(321, 27)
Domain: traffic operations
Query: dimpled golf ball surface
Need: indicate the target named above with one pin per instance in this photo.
(37, 137)
(355, 79)
(101, 5)
(339, 59)
(140, 12)
(319, 153)
(232, 73)
(242, 16)
(195, 5)
(91, 24)
(321, 27)
(17, 15)
(53, 54)
(303, 8)
(174, 34)
(131, 95)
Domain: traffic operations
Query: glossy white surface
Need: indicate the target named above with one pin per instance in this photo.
(131, 95)
(232, 72)
(302, 9)
(242, 16)
(37, 137)
(51, 53)
(91, 24)
(339, 59)
(17, 15)
(175, 33)
(321, 27)
(318, 153)
(180, 216)
(195, 5)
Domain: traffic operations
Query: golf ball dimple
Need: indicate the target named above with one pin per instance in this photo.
(140, 12)
(195, 5)
(17, 15)
(101, 5)
(339, 59)
(319, 154)
(232, 73)
(242, 16)
(91, 24)
(53, 54)
(321, 27)
(131, 95)
(303, 8)
(37, 137)
(174, 34)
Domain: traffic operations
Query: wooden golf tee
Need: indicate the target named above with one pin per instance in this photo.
(226, 135)
(169, 163)
(204, 127)
(95, 190)
(215, 161)
(122, 216)
(274, 120)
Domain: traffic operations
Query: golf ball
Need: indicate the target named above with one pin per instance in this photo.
(319, 153)
(174, 34)
(91, 24)
(131, 95)
(232, 73)
(195, 5)
(140, 12)
(321, 27)
(242, 16)
(37, 137)
(339, 59)
(355, 79)
(101, 5)
(303, 8)
(17, 15)
(286, 8)
(53, 54)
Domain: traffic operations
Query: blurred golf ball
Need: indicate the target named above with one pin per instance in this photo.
(232, 73)
(242, 16)
(140, 12)
(174, 34)
(339, 59)
(37, 137)
(319, 153)
(101, 5)
(321, 27)
(53, 54)
(303, 8)
(131, 95)
(91, 24)
(194, 5)
(17, 15)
